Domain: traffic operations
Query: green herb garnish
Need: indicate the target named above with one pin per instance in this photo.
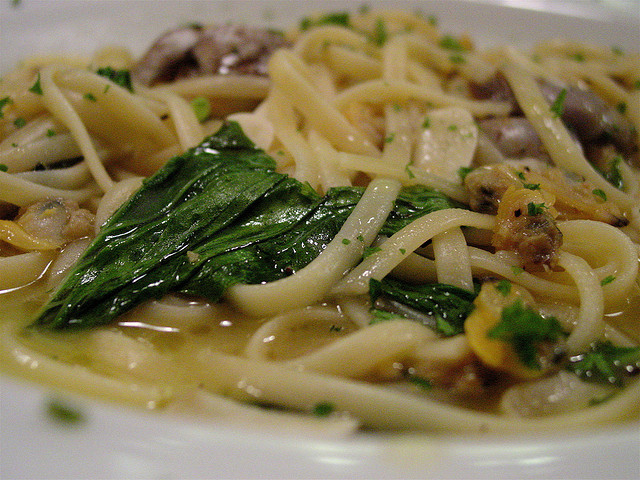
(606, 363)
(525, 329)
(557, 107)
(119, 77)
(36, 87)
(202, 108)
(323, 409)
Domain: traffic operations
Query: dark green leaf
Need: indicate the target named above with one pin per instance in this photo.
(449, 306)
(215, 216)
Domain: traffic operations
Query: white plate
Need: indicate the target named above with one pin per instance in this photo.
(115, 442)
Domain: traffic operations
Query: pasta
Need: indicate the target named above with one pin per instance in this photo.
(451, 235)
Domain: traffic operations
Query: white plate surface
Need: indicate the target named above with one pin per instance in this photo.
(115, 442)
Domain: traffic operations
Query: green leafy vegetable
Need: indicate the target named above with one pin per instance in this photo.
(215, 216)
(19, 122)
(119, 77)
(3, 167)
(606, 363)
(525, 329)
(449, 306)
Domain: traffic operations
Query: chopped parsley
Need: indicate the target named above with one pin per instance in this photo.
(463, 172)
(427, 123)
(336, 18)
(61, 412)
(390, 138)
(380, 32)
(4, 101)
(517, 270)
(323, 409)
(457, 59)
(504, 287)
(19, 122)
(606, 363)
(598, 192)
(531, 186)
(51, 133)
(557, 107)
(370, 251)
(621, 107)
(524, 328)
(421, 382)
(607, 280)
(119, 77)
(451, 43)
(201, 107)
(617, 50)
(3, 167)
(90, 96)
(346, 241)
(578, 57)
(534, 209)
(614, 175)
(36, 87)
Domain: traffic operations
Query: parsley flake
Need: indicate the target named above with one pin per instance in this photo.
(524, 328)
(504, 287)
(557, 107)
(323, 409)
(598, 192)
(534, 209)
(606, 363)
(463, 172)
(607, 280)
(36, 87)
(380, 32)
(201, 107)
(4, 101)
